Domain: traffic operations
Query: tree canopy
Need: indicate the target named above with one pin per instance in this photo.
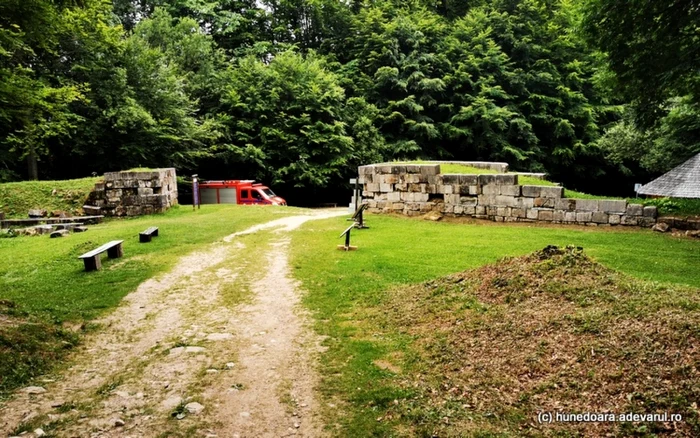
(300, 92)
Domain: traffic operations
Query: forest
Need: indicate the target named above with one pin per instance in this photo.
(599, 94)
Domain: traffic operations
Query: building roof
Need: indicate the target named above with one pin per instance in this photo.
(680, 182)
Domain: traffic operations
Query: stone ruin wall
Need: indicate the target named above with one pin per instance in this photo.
(420, 188)
(133, 193)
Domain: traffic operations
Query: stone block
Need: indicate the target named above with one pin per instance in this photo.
(614, 219)
(463, 190)
(90, 210)
(545, 215)
(450, 178)
(365, 170)
(587, 205)
(634, 210)
(645, 221)
(559, 215)
(599, 217)
(466, 200)
(401, 187)
(458, 209)
(584, 216)
(510, 190)
(486, 200)
(413, 187)
(569, 216)
(531, 213)
(429, 169)
(503, 211)
(499, 218)
(469, 210)
(145, 191)
(650, 211)
(397, 170)
(518, 212)
(448, 189)
(421, 197)
(531, 191)
(490, 189)
(395, 196)
(474, 190)
(388, 179)
(414, 178)
(469, 180)
(565, 204)
(452, 199)
(480, 210)
(384, 169)
(486, 179)
(397, 205)
(507, 201)
(612, 206)
(526, 202)
(491, 211)
(410, 168)
(552, 192)
(506, 179)
(448, 208)
(544, 202)
(386, 188)
(372, 187)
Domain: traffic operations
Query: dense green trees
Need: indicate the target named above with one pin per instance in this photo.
(299, 92)
(652, 47)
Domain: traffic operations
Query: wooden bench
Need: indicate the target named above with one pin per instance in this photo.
(92, 258)
(145, 236)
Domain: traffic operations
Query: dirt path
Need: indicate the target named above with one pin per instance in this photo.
(181, 356)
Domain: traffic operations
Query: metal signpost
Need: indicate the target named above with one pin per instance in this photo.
(195, 192)
(347, 246)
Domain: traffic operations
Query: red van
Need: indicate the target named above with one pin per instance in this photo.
(237, 191)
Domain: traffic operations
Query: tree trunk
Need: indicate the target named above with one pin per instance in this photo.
(32, 167)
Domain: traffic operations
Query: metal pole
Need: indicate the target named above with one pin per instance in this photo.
(195, 191)
(357, 192)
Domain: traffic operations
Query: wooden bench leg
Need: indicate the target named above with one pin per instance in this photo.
(144, 238)
(115, 252)
(92, 263)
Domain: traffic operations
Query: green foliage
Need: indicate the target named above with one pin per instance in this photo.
(672, 141)
(288, 121)
(652, 48)
(92, 86)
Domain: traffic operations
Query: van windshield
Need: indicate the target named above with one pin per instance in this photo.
(268, 192)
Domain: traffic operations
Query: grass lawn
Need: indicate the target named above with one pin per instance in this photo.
(16, 199)
(349, 293)
(43, 284)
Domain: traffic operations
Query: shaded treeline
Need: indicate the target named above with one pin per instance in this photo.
(299, 92)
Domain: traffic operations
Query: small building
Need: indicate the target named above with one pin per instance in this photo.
(680, 182)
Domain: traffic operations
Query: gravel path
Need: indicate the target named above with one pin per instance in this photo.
(175, 358)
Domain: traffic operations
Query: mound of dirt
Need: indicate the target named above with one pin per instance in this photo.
(553, 332)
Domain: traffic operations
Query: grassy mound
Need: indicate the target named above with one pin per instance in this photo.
(17, 198)
(553, 331)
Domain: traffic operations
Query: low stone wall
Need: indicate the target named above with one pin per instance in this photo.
(133, 193)
(415, 189)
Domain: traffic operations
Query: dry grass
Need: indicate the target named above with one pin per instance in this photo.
(552, 331)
